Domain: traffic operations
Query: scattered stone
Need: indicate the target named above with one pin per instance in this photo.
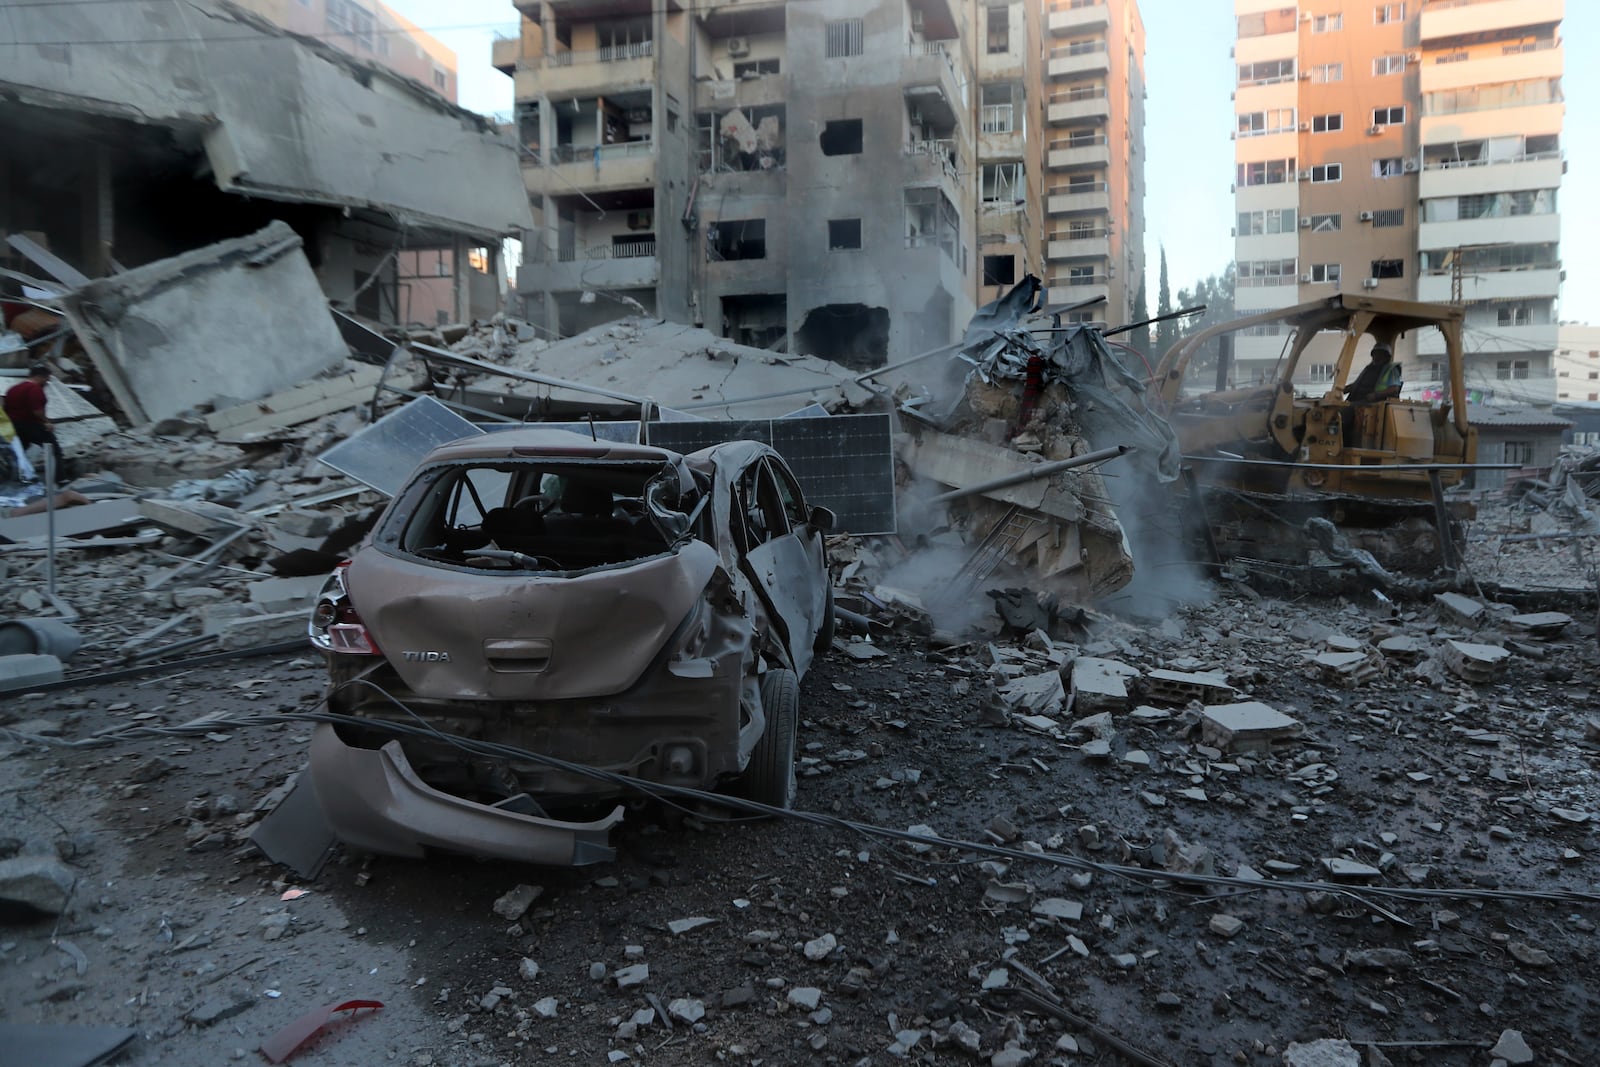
(1379, 959)
(528, 969)
(515, 904)
(275, 925)
(636, 975)
(1125, 960)
(1512, 1048)
(998, 978)
(805, 997)
(1039, 694)
(820, 948)
(739, 996)
(1540, 624)
(1460, 609)
(1527, 955)
(35, 883)
(1226, 925)
(683, 926)
(216, 1009)
(597, 972)
(1168, 1001)
(964, 1037)
(1010, 1056)
(1328, 1052)
(687, 1010)
(1100, 684)
(25, 670)
(1473, 662)
(1343, 868)
(1058, 908)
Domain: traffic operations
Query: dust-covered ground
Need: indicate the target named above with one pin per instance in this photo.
(816, 944)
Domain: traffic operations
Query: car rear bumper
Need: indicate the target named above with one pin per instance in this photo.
(374, 800)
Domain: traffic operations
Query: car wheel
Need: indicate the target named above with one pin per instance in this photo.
(770, 777)
(829, 626)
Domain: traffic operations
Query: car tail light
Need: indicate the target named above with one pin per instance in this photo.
(335, 626)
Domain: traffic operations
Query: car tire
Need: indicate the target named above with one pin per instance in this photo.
(829, 626)
(770, 778)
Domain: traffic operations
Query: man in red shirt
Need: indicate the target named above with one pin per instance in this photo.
(24, 406)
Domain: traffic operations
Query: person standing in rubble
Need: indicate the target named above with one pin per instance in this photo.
(25, 407)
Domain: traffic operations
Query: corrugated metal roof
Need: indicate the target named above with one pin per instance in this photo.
(1479, 415)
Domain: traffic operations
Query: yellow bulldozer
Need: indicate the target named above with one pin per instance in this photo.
(1267, 457)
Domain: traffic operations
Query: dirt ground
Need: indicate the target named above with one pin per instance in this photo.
(815, 945)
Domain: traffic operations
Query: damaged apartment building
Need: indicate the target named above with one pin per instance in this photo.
(834, 177)
(138, 132)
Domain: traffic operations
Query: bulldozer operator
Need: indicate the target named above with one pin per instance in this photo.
(1378, 380)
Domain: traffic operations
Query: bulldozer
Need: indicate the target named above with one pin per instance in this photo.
(1266, 458)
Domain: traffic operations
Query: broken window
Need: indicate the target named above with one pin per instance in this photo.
(844, 38)
(853, 335)
(841, 137)
(1003, 183)
(932, 219)
(730, 239)
(747, 139)
(760, 320)
(1388, 168)
(755, 68)
(1388, 268)
(998, 30)
(844, 234)
(999, 270)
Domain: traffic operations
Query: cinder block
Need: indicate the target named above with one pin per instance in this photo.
(28, 670)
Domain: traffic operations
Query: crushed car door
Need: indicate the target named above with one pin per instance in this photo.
(778, 561)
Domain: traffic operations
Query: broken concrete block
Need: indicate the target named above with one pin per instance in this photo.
(304, 523)
(276, 595)
(1040, 694)
(1100, 684)
(1512, 1048)
(196, 596)
(198, 517)
(216, 1009)
(1343, 868)
(1473, 662)
(1348, 669)
(1250, 726)
(1402, 648)
(514, 904)
(1328, 1052)
(1058, 908)
(25, 670)
(1543, 625)
(251, 630)
(35, 883)
(1226, 925)
(1180, 687)
(1461, 609)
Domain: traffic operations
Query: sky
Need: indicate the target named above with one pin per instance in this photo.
(1189, 158)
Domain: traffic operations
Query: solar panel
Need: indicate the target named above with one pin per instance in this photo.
(843, 462)
(384, 454)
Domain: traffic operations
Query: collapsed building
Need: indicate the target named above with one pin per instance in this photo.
(142, 132)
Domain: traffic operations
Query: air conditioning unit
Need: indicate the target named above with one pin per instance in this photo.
(1409, 166)
(738, 46)
(1305, 16)
(1413, 57)
(1373, 131)
(641, 220)
(1365, 216)
(1305, 223)
(1305, 127)
(1305, 75)
(1305, 175)
(1369, 283)
(1305, 279)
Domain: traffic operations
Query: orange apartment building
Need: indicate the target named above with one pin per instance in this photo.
(1409, 150)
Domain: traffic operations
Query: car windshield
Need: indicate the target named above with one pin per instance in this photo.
(538, 514)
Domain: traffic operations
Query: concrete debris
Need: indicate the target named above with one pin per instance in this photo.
(1474, 663)
(1041, 694)
(1463, 611)
(1543, 625)
(35, 884)
(1512, 1048)
(1246, 727)
(1349, 669)
(1100, 684)
(1180, 687)
(514, 904)
(27, 670)
(1327, 1052)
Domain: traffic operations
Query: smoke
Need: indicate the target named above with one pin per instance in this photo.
(1161, 540)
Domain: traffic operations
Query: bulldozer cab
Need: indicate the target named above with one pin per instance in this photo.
(1316, 438)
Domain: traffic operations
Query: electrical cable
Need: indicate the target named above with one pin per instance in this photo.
(661, 792)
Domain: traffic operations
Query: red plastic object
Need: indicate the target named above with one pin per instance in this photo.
(286, 1042)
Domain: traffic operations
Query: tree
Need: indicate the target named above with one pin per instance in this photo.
(1216, 293)
(1140, 338)
(1166, 332)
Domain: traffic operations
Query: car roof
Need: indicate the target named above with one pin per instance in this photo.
(539, 443)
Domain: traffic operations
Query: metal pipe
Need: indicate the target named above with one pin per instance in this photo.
(1043, 470)
(1359, 468)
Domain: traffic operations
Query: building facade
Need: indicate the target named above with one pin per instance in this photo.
(1577, 364)
(367, 29)
(1409, 150)
(836, 177)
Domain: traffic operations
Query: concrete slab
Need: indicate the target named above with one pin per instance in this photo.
(247, 631)
(75, 522)
(277, 595)
(1461, 609)
(1100, 684)
(1249, 726)
(26, 670)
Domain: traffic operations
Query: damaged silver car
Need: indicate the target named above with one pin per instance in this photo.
(617, 606)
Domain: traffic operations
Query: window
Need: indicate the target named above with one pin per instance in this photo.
(1328, 72)
(1327, 172)
(756, 68)
(1266, 72)
(350, 18)
(1080, 275)
(729, 239)
(1264, 272)
(440, 80)
(1327, 23)
(1385, 65)
(1436, 371)
(1490, 97)
(1327, 123)
(844, 234)
(931, 219)
(1324, 273)
(1326, 223)
(1514, 315)
(999, 270)
(844, 38)
(1257, 123)
(1003, 183)
(1388, 116)
(1386, 13)
(842, 137)
(998, 115)
(1322, 372)
(999, 30)
(1388, 268)
(1256, 223)
(1388, 168)
(1388, 217)
(1269, 172)
(1519, 452)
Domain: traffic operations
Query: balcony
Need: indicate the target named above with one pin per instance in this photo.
(568, 169)
(1464, 177)
(1442, 19)
(1509, 121)
(504, 53)
(622, 265)
(1505, 230)
(1066, 154)
(1081, 18)
(1067, 290)
(1543, 62)
(932, 84)
(1063, 245)
(1492, 285)
(608, 70)
(934, 160)
(1083, 105)
(766, 90)
(1094, 198)
(1079, 60)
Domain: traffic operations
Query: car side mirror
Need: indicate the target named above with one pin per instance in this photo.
(822, 519)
